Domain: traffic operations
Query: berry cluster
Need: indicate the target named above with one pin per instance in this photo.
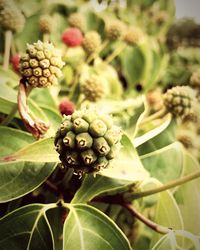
(86, 141)
(41, 64)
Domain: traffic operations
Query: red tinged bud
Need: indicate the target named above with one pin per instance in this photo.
(72, 37)
(66, 107)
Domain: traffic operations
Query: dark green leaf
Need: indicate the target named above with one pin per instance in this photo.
(88, 228)
(26, 228)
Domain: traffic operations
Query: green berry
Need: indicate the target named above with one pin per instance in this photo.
(41, 65)
(69, 139)
(82, 144)
(84, 141)
(98, 128)
(80, 125)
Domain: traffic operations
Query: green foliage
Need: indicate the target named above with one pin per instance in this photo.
(151, 183)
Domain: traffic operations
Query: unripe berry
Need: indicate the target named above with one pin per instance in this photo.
(114, 30)
(133, 36)
(72, 37)
(92, 88)
(91, 42)
(11, 18)
(15, 62)
(179, 100)
(66, 107)
(76, 20)
(81, 143)
(41, 65)
(46, 24)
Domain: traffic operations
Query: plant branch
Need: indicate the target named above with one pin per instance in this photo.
(167, 186)
(156, 227)
(119, 199)
(38, 128)
(8, 41)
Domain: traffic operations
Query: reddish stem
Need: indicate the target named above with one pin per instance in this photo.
(37, 128)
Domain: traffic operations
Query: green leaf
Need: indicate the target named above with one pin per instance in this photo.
(156, 138)
(26, 228)
(31, 30)
(8, 77)
(8, 98)
(39, 151)
(93, 186)
(22, 175)
(171, 241)
(43, 96)
(54, 119)
(12, 140)
(19, 179)
(88, 228)
(127, 164)
(188, 197)
(161, 164)
(167, 214)
(123, 173)
(132, 65)
(168, 241)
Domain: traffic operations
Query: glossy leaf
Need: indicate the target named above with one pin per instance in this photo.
(88, 228)
(188, 197)
(156, 138)
(26, 228)
(167, 214)
(23, 175)
(132, 65)
(123, 173)
(161, 164)
(171, 241)
(39, 151)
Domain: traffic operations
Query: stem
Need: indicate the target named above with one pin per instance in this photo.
(104, 45)
(38, 128)
(13, 48)
(169, 185)
(94, 55)
(115, 53)
(46, 37)
(158, 114)
(156, 227)
(8, 41)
